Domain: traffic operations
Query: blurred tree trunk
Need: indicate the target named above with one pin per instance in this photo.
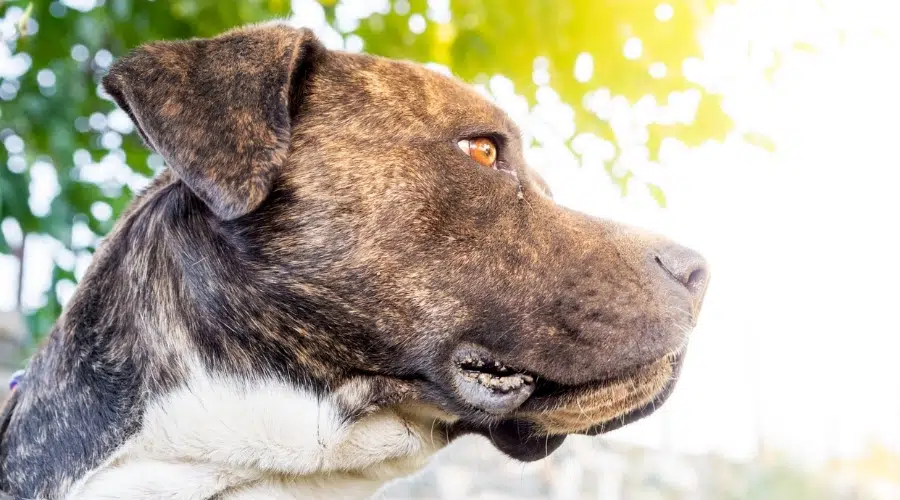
(19, 254)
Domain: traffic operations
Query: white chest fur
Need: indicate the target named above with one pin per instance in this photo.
(262, 439)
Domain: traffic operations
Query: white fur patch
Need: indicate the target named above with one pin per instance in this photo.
(260, 439)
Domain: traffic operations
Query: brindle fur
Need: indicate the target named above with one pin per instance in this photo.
(318, 223)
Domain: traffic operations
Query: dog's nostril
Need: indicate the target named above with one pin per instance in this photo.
(685, 266)
(696, 281)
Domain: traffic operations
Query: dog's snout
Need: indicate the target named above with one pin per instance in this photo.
(685, 266)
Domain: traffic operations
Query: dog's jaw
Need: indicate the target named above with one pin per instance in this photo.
(253, 439)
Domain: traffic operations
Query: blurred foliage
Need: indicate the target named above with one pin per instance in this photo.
(54, 53)
(518, 39)
(611, 470)
(771, 476)
(61, 122)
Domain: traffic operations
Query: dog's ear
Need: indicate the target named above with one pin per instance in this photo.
(218, 110)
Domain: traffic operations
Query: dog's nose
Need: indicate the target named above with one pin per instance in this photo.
(685, 266)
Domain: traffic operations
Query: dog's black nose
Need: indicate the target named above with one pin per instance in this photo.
(686, 267)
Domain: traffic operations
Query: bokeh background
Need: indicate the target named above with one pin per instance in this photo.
(761, 132)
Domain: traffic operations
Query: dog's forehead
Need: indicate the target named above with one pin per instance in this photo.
(412, 93)
(412, 85)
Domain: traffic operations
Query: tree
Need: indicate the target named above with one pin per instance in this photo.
(57, 124)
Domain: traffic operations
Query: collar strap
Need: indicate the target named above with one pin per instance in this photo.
(15, 379)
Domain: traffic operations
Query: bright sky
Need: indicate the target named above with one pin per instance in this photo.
(797, 340)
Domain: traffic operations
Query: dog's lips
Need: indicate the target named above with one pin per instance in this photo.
(490, 386)
(617, 388)
(527, 438)
(635, 414)
(495, 387)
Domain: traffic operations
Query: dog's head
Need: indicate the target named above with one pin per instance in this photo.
(387, 213)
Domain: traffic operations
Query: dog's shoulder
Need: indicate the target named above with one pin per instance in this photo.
(81, 411)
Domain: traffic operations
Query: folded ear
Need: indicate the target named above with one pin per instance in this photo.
(218, 110)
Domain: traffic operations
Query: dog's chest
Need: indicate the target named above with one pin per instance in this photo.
(231, 440)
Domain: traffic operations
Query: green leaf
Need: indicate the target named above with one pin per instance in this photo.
(760, 141)
(657, 193)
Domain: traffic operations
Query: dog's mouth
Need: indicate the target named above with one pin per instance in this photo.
(490, 386)
(528, 416)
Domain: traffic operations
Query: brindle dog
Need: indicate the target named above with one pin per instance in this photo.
(346, 264)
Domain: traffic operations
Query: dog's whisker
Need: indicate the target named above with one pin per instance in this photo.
(433, 423)
(581, 409)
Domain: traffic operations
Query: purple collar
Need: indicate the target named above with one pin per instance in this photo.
(15, 379)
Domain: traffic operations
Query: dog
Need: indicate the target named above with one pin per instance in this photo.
(346, 265)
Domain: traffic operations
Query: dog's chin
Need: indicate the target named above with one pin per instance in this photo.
(527, 416)
(517, 438)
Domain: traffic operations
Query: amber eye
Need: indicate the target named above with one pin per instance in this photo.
(480, 149)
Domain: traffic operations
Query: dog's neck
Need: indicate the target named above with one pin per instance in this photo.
(167, 334)
(182, 282)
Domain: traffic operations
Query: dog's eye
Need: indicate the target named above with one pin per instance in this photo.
(480, 149)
